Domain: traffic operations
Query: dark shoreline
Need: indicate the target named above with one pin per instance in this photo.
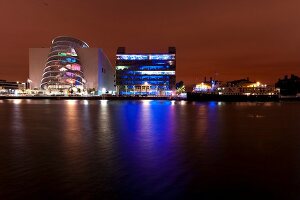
(239, 98)
(87, 98)
(190, 97)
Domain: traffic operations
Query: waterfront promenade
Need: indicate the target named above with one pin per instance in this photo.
(93, 97)
(190, 97)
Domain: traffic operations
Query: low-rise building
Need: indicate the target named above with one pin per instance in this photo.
(246, 87)
(236, 87)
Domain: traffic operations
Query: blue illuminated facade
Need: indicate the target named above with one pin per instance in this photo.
(146, 57)
(145, 74)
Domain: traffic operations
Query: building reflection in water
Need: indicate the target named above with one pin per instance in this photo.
(72, 120)
(17, 117)
(138, 149)
(148, 147)
(105, 134)
(73, 146)
(15, 154)
(123, 146)
(88, 144)
(17, 127)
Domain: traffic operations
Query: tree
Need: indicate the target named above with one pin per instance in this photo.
(179, 85)
(180, 88)
(91, 90)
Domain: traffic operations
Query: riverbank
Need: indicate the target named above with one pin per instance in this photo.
(239, 98)
(232, 98)
(190, 97)
(91, 98)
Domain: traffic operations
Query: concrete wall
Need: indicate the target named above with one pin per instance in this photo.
(89, 60)
(106, 73)
(37, 61)
(97, 69)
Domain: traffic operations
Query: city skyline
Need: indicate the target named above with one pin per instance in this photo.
(227, 41)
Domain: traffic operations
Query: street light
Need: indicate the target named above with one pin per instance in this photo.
(103, 91)
(29, 82)
(126, 89)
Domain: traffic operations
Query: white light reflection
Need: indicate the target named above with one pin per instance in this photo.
(85, 102)
(146, 102)
(103, 102)
(182, 102)
(73, 136)
(17, 101)
(71, 102)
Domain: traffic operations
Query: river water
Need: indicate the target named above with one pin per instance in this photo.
(72, 149)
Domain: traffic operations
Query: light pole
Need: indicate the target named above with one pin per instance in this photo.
(126, 88)
(133, 90)
(29, 82)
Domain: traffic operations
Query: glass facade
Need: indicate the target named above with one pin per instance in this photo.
(63, 70)
(145, 74)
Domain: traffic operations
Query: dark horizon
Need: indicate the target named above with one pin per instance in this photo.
(231, 40)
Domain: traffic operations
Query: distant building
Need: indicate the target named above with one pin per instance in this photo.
(289, 86)
(207, 86)
(11, 87)
(70, 66)
(246, 87)
(145, 74)
(236, 87)
(8, 85)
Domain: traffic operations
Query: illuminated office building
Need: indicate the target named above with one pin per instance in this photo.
(145, 74)
(70, 66)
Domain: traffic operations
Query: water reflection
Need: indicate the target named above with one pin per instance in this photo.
(202, 121)
(147, 146)
(145, 149)
(146, 102)
(16, 101)
(103, 102)
(17, 129)
(173, 102)
(183, 102)
(17, 116)
(73, 137)
(85, 102)
(105, 128)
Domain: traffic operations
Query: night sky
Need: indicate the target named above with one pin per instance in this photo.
(227, 40)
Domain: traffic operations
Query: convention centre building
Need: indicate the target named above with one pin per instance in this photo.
(70, 66)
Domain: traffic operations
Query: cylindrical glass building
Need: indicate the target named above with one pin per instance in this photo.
(63, 71)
